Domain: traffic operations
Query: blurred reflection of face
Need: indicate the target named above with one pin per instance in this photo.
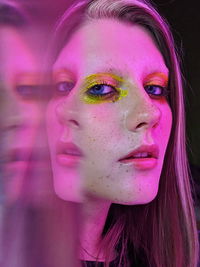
(109, 121)
(20, 114)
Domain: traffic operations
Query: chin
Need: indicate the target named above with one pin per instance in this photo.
(66, 191)
(136, 198)
(68, 196)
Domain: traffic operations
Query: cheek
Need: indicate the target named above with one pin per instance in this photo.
(101, 124)
(52, 124)
(35, 113)
(103, 176)
(28, 118)
(165, 125)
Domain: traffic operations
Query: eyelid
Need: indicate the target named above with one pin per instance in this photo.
(158, 78)
(103, 79)
(156, 83)
(28, 92)
(27, 79)
(69, 84)
(63, 76)
(100, 82)
(91, 98)
(164, 92)
(63, 79)
(59, 78)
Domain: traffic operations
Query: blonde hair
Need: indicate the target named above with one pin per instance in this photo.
(163, 231)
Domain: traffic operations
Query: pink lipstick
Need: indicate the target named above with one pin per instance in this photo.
(144, 157)
(68, 154)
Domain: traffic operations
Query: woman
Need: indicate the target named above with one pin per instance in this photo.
(116, 135)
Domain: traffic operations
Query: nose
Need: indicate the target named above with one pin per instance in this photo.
(67, 113)
(143, 114)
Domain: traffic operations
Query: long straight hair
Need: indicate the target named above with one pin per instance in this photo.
(162, 232)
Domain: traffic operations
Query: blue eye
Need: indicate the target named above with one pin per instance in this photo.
(28, 91)
(64, 88)
(156, 90)
(101, 90)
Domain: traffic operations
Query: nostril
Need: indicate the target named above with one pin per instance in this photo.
(140, 125)
(74, 122)
(155, 125)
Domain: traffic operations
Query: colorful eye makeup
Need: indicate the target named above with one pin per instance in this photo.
(156, 84)
(102, 87)
(106, 87)
(64, 82)
(27, 85)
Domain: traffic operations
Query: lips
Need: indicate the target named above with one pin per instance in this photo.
(68, 153)
(143, 158)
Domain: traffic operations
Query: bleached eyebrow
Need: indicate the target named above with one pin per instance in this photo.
(112, 70)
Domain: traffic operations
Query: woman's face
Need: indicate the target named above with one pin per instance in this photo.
(21, 113)
(109, 120)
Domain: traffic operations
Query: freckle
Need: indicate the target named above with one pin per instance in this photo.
(127, 170)
(107, 176)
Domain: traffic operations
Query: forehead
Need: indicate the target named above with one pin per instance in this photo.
(112, 44)
(16, 53)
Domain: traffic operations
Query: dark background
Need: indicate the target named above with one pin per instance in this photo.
(184, 19)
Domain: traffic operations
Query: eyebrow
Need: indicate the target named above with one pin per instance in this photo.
(112, 70)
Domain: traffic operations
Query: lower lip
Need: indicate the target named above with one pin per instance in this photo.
(141, 163)
(68, 160)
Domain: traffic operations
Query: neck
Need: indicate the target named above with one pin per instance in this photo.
(94, 216)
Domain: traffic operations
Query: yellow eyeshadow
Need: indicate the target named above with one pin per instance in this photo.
(111, 80)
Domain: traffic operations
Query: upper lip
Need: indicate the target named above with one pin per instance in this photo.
(145, 151)
(68, 148)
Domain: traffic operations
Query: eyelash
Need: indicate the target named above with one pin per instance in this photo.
(63, 88)
(103, 95)
(154, 88)
(163, 89)
(112, 95)
(28, 91)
